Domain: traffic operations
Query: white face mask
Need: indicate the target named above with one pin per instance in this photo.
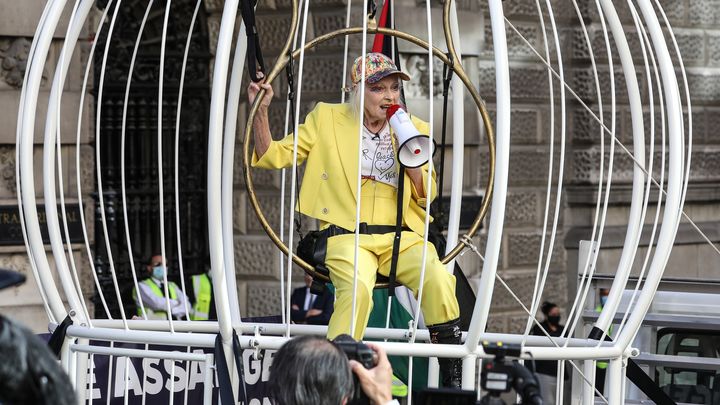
(158, 272)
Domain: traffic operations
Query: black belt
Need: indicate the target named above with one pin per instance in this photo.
(365, 229)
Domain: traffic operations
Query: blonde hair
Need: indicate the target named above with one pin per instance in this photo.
(353, 99)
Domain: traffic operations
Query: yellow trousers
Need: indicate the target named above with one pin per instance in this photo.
(439, 304)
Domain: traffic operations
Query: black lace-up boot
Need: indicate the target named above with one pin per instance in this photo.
(450, 369)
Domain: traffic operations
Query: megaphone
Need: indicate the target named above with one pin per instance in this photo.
(413, 149)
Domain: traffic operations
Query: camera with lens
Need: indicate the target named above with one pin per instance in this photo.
(501, 375)
(364, 355)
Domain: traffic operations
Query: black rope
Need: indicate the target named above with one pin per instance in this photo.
(254, 52)
(398, 233)
(447, 77)
(371, 9)
(290, 73)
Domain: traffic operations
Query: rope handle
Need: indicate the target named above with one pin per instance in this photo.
(256, 63)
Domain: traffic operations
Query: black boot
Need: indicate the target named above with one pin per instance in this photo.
(450, 369)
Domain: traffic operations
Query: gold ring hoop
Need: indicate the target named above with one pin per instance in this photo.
(455, 65)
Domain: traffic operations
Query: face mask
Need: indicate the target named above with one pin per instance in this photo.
(158, 272)
(603, 300)
(554, 320)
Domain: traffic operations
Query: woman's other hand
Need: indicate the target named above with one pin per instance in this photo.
(254, 89)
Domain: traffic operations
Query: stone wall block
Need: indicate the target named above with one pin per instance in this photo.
(263, 299)
(586, 166)
(517, 324)
(10, 102)
(692, 46)
(522, 284)
(270, 206)
(517, 48)
(524, 247)
(528, 167)
(325, 22)
(496, 322)
(276, 116)
(586, 129)
(521, 8)
(525, 124)
(527, 82)
(240, 211)
(522, 208)
(87, 169)
(713, 48)
(8, 187)
(703, 87)
(705, 164)
(583, 82)
(23, 18)
(703, 12)
(256, 257)
(322, 75)
(675, 10)
(713, 123)
(273, 30)
(579, 45)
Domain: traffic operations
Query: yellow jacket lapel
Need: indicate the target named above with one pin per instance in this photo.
(347, 129)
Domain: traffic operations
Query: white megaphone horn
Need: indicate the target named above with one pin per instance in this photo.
(413, 150)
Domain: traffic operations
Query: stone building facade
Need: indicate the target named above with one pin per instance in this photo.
(257, 261)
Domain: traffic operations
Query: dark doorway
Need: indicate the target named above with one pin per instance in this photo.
(141, 143)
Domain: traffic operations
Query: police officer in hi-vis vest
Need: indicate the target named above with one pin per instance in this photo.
(204, 302)
(152, 293)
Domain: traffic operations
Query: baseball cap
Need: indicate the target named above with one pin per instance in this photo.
(377, 67)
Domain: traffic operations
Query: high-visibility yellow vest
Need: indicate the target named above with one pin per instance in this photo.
(203, 295)
(153, 314)
(398, 388)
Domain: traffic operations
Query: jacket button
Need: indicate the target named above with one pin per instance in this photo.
(324, 176)
(324, 210)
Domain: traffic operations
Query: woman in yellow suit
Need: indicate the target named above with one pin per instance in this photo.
(327, 143)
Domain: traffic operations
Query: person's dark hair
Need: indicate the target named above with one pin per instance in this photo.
(547, 306)
(30, 372)
(149, 260)
(310, 370)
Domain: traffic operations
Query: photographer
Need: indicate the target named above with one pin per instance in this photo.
(311, 370)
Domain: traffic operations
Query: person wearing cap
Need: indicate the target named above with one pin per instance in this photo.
(328, 145)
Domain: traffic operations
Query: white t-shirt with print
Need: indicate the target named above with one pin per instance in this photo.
(378, 157)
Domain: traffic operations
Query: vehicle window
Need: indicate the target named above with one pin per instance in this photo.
(691, 384)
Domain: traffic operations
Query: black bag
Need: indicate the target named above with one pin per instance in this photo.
(306, 247)
(312, 248)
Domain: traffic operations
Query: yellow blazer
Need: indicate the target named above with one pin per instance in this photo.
(327, 142)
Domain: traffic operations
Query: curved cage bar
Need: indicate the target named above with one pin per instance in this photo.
(645, 83)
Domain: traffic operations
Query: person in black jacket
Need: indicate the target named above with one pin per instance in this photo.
(310, 308)
(547, 370)
(29, 371)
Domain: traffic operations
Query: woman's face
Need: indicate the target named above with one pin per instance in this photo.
(555, 311)
(381, 95)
